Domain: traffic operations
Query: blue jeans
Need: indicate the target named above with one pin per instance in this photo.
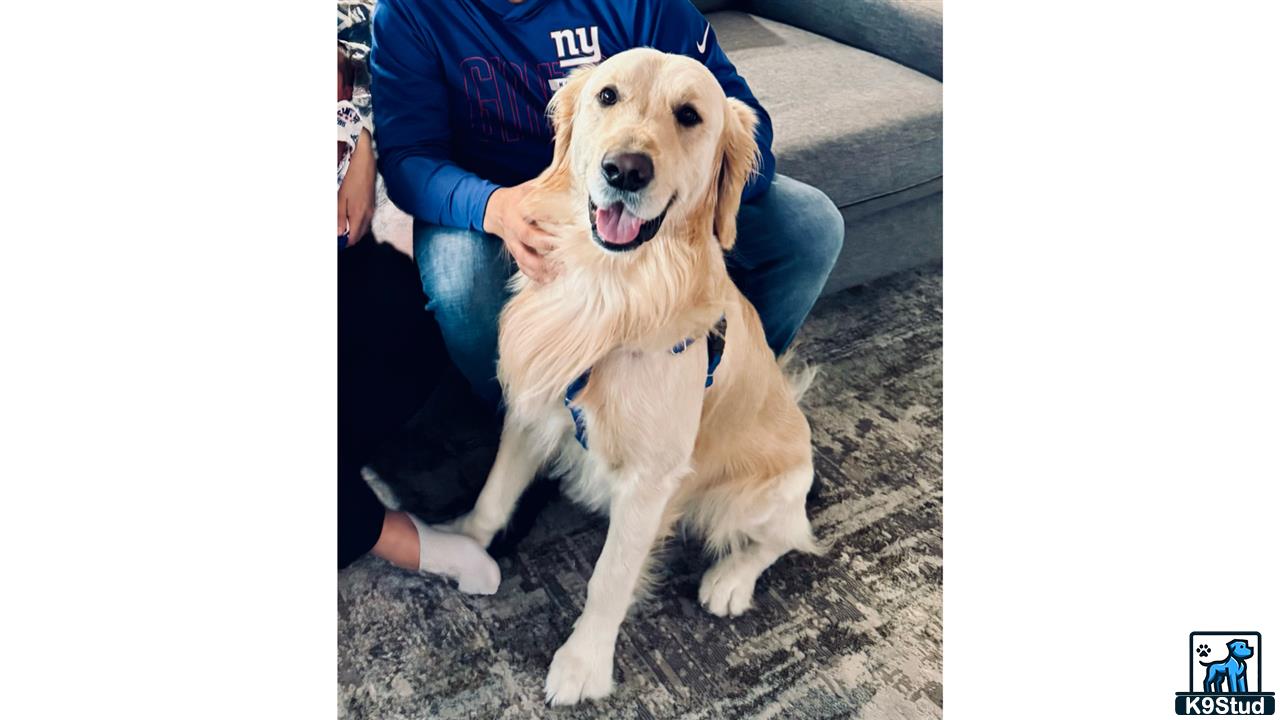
(788, 241)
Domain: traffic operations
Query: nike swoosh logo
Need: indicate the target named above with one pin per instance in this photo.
(702, 46)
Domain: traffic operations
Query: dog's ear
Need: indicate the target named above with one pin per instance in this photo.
(739, 158)
(560, 110)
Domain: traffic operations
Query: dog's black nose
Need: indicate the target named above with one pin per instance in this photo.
(627, 171)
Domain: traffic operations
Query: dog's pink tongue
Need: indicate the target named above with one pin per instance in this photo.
(615, 225)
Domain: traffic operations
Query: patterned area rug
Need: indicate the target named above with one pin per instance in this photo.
(857, 632)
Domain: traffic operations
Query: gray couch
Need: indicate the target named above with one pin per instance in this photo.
(854, 88)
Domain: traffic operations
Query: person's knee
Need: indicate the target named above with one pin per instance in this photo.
(814, 231)
(460, 274)
(823, 228)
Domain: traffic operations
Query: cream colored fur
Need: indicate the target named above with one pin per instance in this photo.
(732, 462)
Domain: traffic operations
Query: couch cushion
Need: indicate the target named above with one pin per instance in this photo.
(906, 31)
(851, 123)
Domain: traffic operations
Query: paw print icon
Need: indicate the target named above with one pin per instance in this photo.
(1203, 650)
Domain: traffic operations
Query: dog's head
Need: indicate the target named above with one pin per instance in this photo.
(655, 146)
(1240, 649)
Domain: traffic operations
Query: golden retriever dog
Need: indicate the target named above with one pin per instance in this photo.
(610, 370)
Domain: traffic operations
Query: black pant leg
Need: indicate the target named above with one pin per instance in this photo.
(360, 516)
(390, 356)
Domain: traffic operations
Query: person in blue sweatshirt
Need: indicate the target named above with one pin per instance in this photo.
(460, 89)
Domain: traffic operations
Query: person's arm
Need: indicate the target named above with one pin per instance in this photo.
(412, 126)
(676, 26)
(356, 199)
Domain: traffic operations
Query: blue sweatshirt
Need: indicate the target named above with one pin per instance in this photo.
(460, 89)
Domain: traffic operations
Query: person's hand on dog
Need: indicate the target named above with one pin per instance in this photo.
(356, 200)
(505, 217)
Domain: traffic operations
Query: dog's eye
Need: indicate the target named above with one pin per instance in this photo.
(608, 96)
(687, 116)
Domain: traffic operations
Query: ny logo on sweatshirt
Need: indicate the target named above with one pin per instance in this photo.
(574, 47)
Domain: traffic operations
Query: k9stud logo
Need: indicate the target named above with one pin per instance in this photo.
(1225, 676)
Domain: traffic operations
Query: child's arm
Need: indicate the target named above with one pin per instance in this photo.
(356, 199)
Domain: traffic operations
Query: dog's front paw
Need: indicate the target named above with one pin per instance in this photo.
(468, 525)
(727, 588)
(579, 672)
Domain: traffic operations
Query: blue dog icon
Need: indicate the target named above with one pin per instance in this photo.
(1231, 669)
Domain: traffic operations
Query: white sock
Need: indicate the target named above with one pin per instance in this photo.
(458, 557)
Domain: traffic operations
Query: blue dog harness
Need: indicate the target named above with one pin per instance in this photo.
(715, 351)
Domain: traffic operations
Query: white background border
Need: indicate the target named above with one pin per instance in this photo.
(168, 382)
(1112, 394)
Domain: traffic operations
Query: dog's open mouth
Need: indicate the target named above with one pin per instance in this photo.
(614, 227)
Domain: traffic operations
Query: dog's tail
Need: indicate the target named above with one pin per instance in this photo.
(799, 374)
